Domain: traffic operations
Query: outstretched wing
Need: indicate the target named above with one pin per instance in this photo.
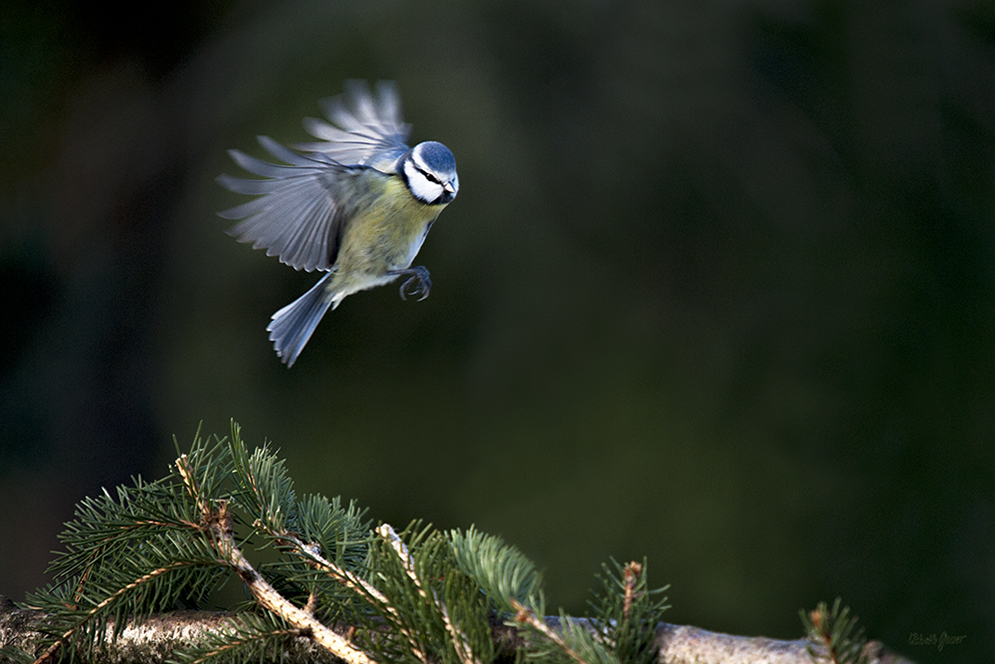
(304, 205)
(367, 131)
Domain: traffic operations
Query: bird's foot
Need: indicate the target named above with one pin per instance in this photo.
(418, 280)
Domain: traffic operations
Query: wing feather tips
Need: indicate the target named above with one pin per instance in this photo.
(390, 101)
(364, 126)
(243, 186)
(284, 154)
(293, 216)
(262, 168)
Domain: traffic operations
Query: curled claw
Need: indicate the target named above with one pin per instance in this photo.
(418, 281)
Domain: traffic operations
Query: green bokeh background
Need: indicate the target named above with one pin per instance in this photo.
(718, 288)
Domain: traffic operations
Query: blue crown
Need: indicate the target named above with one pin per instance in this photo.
(437, 156)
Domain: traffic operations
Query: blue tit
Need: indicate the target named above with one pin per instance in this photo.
(356, 205)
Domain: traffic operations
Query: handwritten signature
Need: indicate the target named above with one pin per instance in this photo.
(943, 639)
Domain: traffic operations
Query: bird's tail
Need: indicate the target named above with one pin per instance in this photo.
(292, 326)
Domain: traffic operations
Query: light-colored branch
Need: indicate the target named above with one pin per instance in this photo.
(683, 643)
(268, 597)
(54, 648)
(153, 640)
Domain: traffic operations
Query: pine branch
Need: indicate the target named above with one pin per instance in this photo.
(217, 521)
(338, 589)
(503, 572)
(311, 552)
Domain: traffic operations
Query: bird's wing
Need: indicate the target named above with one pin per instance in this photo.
(366, 130)
(303, 207)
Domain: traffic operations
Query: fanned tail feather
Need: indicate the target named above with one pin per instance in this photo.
(293, 325)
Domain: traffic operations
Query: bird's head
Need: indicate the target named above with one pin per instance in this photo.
(430, 172)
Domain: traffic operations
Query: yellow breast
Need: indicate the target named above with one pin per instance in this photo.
(385, 234)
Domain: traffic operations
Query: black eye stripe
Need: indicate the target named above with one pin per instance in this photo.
(428, 175)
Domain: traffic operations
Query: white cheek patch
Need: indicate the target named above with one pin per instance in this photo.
(423, 189)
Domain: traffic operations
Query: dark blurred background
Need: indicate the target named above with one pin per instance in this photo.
(718, 289)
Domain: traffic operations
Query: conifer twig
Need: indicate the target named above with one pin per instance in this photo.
(54, 648)
(217, 523)
(458, 636)
(354, 583)
(350, 581)
(631, 571)
(313, 553)
(528, 616)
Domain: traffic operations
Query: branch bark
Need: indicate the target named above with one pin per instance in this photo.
(153, 640)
